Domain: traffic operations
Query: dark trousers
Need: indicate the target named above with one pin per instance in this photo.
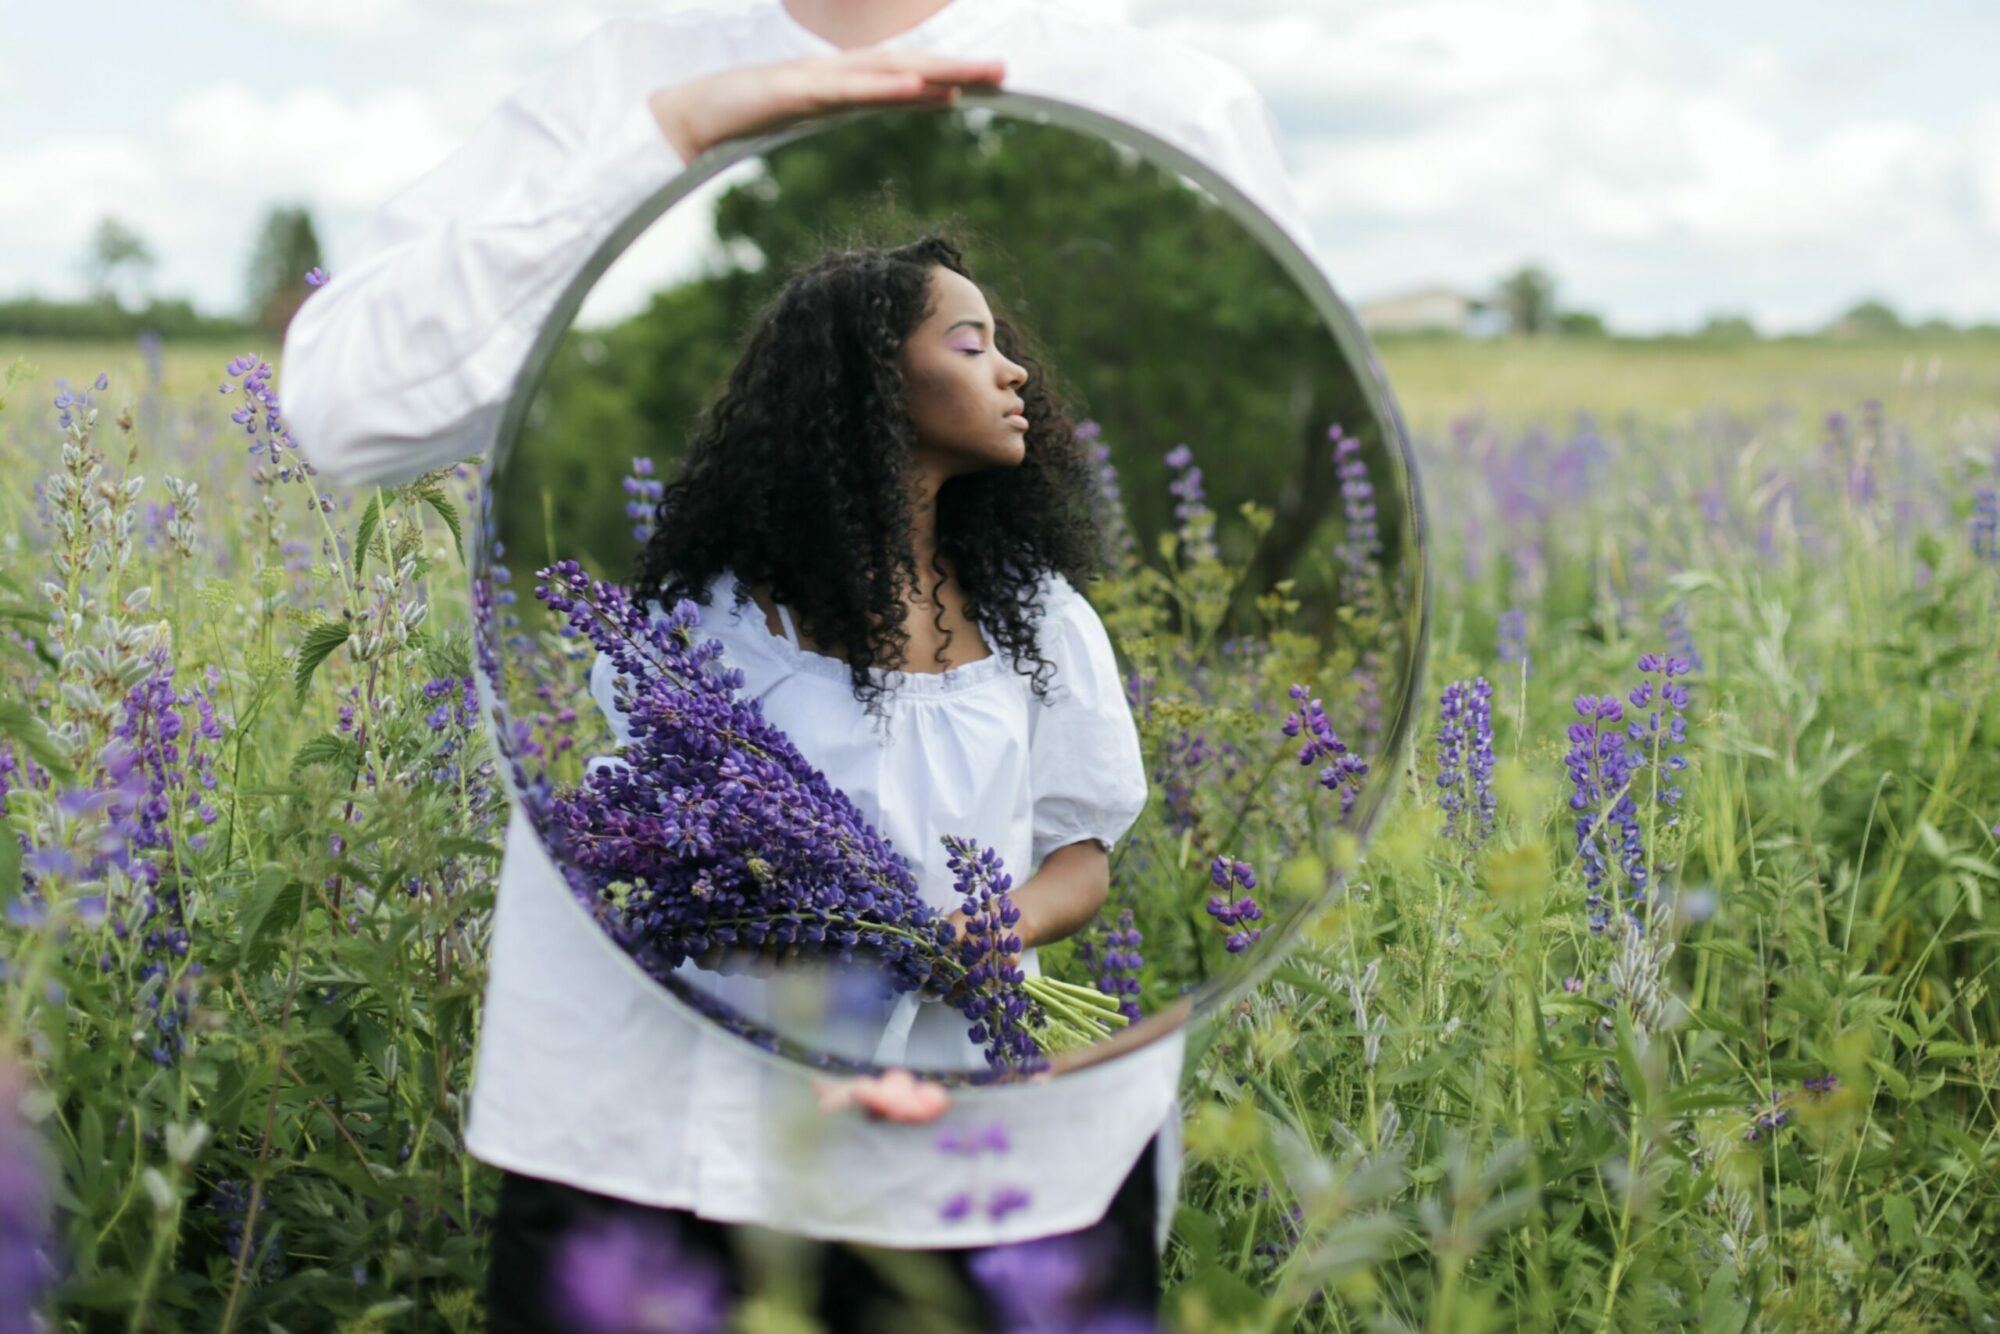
(572, 1260)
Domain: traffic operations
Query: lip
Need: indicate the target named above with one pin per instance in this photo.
(1016, 420)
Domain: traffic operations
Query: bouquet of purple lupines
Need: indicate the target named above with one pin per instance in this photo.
(710, 829)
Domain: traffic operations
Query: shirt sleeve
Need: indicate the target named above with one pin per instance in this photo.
(1085, 768)
(403, 360)
(1246, 139)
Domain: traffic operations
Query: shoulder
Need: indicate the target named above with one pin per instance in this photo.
(656, 49)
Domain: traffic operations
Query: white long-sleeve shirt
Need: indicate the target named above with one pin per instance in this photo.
(403, 362)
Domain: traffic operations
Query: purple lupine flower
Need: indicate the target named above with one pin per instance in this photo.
(1465, 760)
(315, 276)
(1607, 762)
(27, 1266)
(230, 1202)
(1680, 636)
(1121, 548)
(1230, 910)
(726, 836)
(1046, 1283)
(707, 776)
(1986, 524)
(1513, 647)
(1346, 771)
(633, 1275)
(1117, 971)
(645, 491)
(993, 999)
(1197, 521)
(1180, 760)
(1361, 545)
(1767, 1118)
(1600, 770)
(1824, 1084)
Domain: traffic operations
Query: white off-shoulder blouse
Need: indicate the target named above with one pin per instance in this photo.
(970, 751)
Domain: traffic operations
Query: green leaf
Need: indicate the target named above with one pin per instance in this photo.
(1722, 1311)
(438, 501)
(327, 748)
(269, 909)
(1199, 1233)
(364, 532)
(1901, 1216)
(24, 727)
(318, 645)
(1630, 1068)
(10, 868)
(330, 1059)
(467, 847)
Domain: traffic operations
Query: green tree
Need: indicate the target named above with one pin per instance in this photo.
(116, 251)
(1528, 295)
(1867, 319)
(286, 247)
(1580, 324)
(1727, 327)
(1157, 314)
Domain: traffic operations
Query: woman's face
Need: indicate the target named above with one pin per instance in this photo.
(962, 393)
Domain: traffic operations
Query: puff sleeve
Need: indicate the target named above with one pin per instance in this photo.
(1086, 773)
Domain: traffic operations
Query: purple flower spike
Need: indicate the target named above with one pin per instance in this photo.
(624, 1274)
(1465, 761)
(1346, 771)
(1228, 873)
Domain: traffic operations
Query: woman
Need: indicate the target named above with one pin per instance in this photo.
(889, 485)
(403, 361)
(884, 481)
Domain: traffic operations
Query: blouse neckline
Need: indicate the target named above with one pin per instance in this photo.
(951, 680)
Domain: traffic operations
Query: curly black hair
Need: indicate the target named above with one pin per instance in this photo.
(798, 476)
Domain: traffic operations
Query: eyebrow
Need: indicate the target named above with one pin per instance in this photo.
(977, 324)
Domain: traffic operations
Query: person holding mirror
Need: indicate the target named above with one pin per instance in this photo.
(587, 1081)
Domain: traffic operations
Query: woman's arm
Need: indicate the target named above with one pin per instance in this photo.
(1061, 897)
(1064, 894)
(403, 361)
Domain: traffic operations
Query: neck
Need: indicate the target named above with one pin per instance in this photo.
(855, 23)
(923, 528)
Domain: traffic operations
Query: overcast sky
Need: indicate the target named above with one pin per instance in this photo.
(1665, 159)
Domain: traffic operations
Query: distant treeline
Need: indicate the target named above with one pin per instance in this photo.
(97, 320)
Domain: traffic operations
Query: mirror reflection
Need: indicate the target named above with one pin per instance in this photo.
(964, 613)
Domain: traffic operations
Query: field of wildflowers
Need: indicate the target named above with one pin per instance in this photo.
(1662, 997)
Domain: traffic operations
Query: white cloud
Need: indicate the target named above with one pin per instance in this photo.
(306, 142)
(1661, 166)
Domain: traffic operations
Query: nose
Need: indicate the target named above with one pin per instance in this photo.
(1016, 376)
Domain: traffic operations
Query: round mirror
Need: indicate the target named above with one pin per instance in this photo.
(1065, 443)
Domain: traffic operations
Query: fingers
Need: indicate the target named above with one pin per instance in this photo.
(935, 68)
(900, 1096)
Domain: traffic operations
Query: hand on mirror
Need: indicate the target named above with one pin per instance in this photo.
(897, 1095)
(703, 112)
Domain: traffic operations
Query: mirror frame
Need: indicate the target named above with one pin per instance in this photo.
(1209, 997)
